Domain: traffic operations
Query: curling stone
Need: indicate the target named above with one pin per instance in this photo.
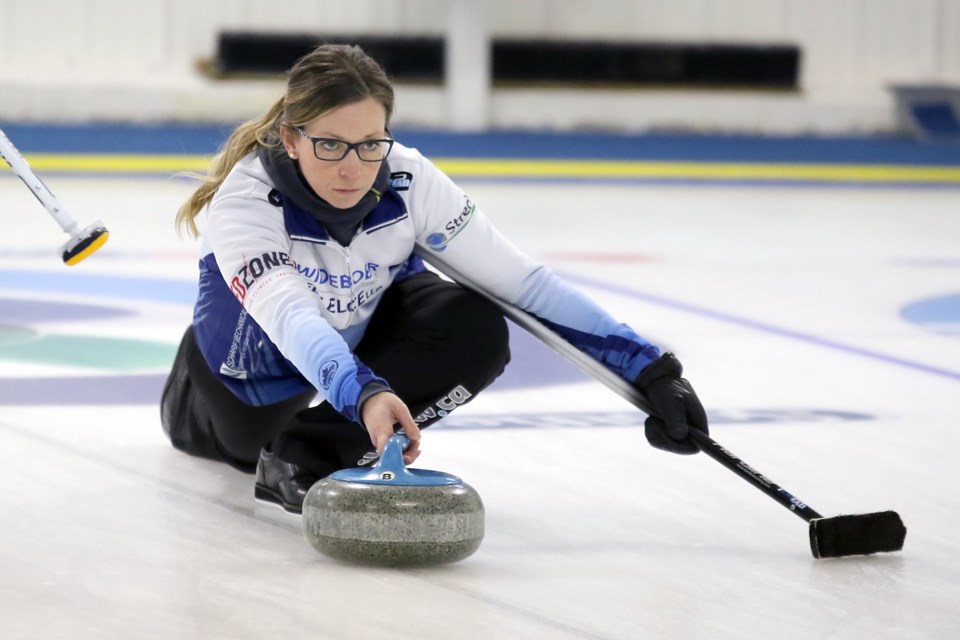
(389, 515)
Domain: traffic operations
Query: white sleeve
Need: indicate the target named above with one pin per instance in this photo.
(458, 232)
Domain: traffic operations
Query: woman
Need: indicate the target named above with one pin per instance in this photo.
(309, 285)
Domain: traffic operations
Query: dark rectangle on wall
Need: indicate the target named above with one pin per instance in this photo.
(695, 65)
(549, 62)
(403, 58)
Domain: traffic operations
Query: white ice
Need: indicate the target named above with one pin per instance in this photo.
(781, 302)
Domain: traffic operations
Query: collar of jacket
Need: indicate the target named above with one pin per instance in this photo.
(339, 224)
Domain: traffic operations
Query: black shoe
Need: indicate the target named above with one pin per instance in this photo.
(281, 482)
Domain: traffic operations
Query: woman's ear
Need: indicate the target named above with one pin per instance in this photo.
(289, 140)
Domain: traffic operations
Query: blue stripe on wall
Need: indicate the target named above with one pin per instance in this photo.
(206, 139)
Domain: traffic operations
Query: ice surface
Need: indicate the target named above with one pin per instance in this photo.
(783, 303)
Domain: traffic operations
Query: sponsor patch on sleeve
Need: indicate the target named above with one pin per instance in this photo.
(255, 268)
(400, 180)
(327, 370)
(438, 241)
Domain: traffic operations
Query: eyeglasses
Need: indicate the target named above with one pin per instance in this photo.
(332, 150)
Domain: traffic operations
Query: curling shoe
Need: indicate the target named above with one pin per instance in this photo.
(282, 483)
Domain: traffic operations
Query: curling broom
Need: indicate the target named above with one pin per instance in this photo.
(837, 536)
(82, 242)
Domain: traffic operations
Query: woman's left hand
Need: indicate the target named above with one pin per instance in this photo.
(380, 413)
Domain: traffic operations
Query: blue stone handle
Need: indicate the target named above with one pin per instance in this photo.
(391, 460)
(390, 469)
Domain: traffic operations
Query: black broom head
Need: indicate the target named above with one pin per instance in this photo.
(857, 534)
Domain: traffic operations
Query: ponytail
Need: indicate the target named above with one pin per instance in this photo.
(263, 131)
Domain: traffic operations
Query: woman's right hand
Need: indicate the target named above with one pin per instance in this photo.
(380, 413)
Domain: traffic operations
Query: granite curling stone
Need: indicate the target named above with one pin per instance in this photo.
(389, 515)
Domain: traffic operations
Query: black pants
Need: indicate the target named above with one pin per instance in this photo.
(435, 343)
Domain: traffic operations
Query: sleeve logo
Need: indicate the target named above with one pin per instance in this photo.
(400, 180)
(252, 269)
(327, 370)
(439, 241)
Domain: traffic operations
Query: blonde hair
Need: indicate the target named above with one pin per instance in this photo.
(329, 77)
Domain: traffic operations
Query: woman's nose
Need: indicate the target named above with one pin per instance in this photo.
(351, 166)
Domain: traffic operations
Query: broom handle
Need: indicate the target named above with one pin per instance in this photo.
(713, 449)
(40, 191)
(623, 388)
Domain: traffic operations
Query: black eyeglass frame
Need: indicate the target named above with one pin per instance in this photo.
(351, 146)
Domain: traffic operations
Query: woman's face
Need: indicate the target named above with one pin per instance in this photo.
(341, 183)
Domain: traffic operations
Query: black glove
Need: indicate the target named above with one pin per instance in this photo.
(677, 407)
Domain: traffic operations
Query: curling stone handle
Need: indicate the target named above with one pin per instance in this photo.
(392, 457)
(390, 469)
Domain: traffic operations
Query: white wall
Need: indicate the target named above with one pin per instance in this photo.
(136, 59)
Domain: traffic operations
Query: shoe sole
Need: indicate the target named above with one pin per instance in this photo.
(269, 496)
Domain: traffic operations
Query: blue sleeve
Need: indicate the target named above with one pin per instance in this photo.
(248, 362)
(585, 325)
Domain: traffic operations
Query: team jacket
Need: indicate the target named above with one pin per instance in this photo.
(281, 305)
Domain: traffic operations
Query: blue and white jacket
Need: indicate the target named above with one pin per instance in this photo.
(281, 305)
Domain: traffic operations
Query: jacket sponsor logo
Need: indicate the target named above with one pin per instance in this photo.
(232, 373)
(232, 367)
(439, 241)
(327, 370)
(400, 180)
(254, 268)
(319, 275)
(344, 305)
